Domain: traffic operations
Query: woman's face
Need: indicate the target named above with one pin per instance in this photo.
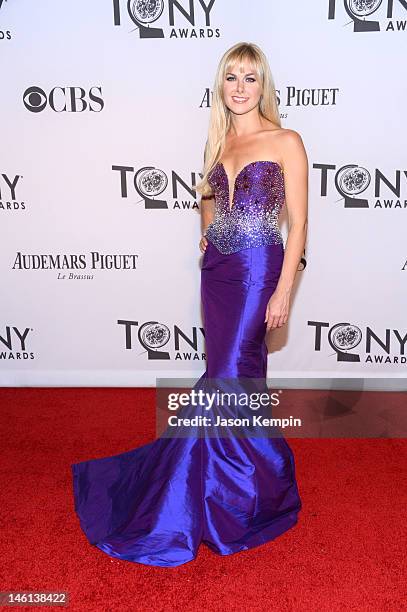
(241, 88)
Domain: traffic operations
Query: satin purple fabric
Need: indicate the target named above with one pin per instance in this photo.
(156, 503)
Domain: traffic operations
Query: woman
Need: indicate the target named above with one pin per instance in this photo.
(156, 504)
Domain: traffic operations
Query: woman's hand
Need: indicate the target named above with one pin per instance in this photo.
(203, 244)
(277, 310)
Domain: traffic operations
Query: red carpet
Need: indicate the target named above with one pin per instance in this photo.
(346, 553)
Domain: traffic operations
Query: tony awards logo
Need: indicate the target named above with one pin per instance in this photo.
(379, 346)
(344, 337)
(154, 335)
(360, 12)
(350, 181)
(4, 34)
(149, 182)
(176, 19)
(381, 189)
(144, 13)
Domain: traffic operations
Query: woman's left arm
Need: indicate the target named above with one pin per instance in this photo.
(295, 165)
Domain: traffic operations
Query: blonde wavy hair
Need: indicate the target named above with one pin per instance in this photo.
(219, 120)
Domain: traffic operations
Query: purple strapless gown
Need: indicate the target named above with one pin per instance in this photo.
(156, 503)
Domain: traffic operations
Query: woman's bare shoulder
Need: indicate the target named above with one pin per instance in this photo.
(289, 142)
(284, 143)
(292, 149)
(286, 135)
(282, 137)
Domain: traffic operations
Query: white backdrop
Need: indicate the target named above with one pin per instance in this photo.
(94, 106)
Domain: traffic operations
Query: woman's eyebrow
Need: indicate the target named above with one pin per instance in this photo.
(248, 74)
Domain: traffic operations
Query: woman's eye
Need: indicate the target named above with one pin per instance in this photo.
(250, 79)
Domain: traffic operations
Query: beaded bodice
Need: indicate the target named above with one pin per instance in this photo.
(251, 219)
